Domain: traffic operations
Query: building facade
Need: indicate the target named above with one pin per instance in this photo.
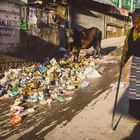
(38, 25)
(100, 14)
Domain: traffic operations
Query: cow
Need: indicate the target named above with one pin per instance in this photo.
(84, 39)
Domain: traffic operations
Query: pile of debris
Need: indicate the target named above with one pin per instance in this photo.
(44, 83)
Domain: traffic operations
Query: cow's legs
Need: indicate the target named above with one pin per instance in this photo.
(75, 54)
(97, 50)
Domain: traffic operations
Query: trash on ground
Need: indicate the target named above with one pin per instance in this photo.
(44, 83)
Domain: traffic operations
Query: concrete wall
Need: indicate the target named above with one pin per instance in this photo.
(9, 26)
(38, 41)
(42, 38)
(85, 21)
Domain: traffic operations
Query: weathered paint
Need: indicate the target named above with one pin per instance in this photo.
(9, 27)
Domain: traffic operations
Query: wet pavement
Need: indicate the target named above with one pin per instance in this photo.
(57, 112)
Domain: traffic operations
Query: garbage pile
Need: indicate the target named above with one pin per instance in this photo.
(44, 83)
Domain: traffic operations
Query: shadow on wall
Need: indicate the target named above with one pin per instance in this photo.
(33, 47)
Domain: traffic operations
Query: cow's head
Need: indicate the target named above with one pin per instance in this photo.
(72, 37)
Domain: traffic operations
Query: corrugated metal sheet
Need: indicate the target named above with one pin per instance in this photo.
(108, 2)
